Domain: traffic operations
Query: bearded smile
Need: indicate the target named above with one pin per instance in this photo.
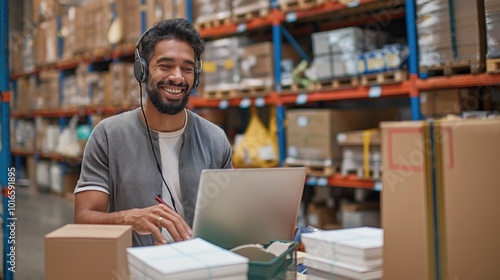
(172, 92)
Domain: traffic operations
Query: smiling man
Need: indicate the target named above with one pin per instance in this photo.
(155, 153)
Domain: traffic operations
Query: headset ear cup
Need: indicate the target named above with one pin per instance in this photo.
(196, 77)
(141, 70)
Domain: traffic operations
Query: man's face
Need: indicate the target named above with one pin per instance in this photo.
(171, 75)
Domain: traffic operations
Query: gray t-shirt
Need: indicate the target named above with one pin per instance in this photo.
(119, 160)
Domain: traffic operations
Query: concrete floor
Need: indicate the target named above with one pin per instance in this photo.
(37, 215)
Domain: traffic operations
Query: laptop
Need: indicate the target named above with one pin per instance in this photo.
(248, 206)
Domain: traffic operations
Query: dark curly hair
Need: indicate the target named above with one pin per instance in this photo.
(177, 28)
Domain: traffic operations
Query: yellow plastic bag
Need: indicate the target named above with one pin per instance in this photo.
(259, 146)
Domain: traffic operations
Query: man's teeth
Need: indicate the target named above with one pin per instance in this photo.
(174, 91)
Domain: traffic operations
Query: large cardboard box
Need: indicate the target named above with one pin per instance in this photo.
(444, 218)
(312, 133)
(82, 252)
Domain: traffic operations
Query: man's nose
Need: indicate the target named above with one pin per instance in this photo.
(176, 76)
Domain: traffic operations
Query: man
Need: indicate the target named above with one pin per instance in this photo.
(121, 178)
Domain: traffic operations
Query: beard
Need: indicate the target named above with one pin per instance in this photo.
(170, 107)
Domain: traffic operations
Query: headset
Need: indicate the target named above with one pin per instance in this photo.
(141, 72)
(141, 75)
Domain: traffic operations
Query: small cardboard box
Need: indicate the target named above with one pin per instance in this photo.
(82, 252)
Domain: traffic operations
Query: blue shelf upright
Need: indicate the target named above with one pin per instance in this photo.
(411, 30)
(7, 173)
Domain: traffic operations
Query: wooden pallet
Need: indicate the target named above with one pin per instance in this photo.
(293, 5)
(255, 91)
(212, 23)
(249, 12)
(493, 65)
(453, 68)
(313, 167)
(297, 88)
(221, 94)
(390, 77)
(338, 83)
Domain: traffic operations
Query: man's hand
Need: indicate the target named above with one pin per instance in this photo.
(150, 221)
(91, 208)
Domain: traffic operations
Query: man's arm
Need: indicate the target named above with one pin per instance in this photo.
(91, 208)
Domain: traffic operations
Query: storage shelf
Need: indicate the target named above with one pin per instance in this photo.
(81, 111)
(325, 8)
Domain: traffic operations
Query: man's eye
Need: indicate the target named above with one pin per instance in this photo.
(188, 69)
(165, 66)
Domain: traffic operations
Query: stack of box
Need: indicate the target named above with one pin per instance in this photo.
(440, 200)
(344, 254)
(312, 133)
(164, 9)
(26, 89)
(45, 10)
(336, 52)
(23, 133)
(492, 11)
(221, 70)
(47, 94)
(68, 33)
(16, 52)
(209, 10)
(73, 96)
(46, 42)
(451, 32)
(93, 21)
(361, 153)
(130, 18)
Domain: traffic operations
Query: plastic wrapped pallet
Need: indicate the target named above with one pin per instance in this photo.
(220, 64)
(208, 10)
(492, 11)
(451, 32)
(336, 52)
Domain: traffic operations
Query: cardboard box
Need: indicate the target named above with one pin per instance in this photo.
(46, 42)
(312, 133)
(438, 103)
(87, 252)
(461, 199)
(319, 215)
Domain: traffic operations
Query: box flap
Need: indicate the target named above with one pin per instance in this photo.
(89, 231)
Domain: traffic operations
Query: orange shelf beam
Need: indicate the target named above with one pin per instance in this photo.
(351, 93)
(231, 28)
(195, 101)
(21, 152)
(350, 181)
(457, 81)
(21, 114)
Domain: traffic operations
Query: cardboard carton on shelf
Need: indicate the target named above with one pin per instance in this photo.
(79, 252)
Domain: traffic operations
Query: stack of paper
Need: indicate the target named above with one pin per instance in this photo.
(192, 259)
(344, 254)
